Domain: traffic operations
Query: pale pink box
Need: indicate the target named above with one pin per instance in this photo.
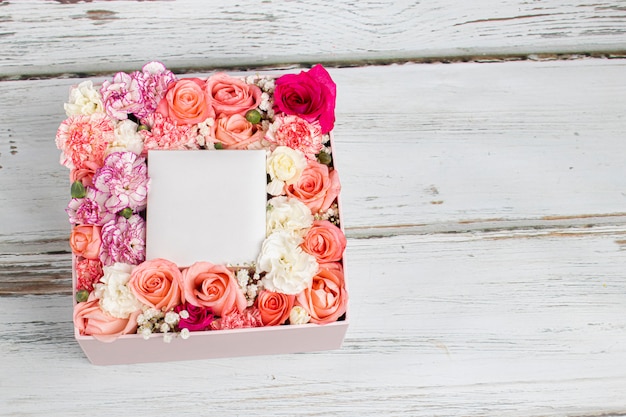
(268, 340)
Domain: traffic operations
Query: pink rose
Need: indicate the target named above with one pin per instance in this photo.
(214, 286)
(235, 132)
(90, 320)
(157, 283)
(186, 102)
(325, 241)
(85, 241)
(231, 95)
(85, 174)
(326, 298)
(310, 95)
(274, 307)
(317, 187)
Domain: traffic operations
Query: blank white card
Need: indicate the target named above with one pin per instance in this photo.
(206, 206)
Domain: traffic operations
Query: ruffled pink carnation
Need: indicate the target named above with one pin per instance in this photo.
(296, 133)
(153, 80)
(90, 209)
(123, 241)
(88, 272)
(122, 96)
(84, 139)
(250, 317)
(166, 134)
(124, 177)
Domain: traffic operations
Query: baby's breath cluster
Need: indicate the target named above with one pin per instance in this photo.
(153, 320)
(250, 283)
(332, 215)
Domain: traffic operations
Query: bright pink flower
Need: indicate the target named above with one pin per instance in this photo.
(123, 241)
(200, 318)
(88, 272)
(166, 134)
(84, 139)
(124, 177)
(310, 95)
(296, 133)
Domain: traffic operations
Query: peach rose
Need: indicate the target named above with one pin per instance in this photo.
(157, 283)
(325, 241)
(85, 241)
(274, 307)
(317, 187)
(326, 298)
(85, 174)
(186, 102)
(90, 320)
(235, 132)
(231, 95)
(214, 286)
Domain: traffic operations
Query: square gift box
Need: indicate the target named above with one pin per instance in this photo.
(206, 216)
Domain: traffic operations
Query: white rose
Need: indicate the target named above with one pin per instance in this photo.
(127, 138)
(289, 214)
(284, 166)
(84, 99)
(116, 299)
(298, 315)
(288, 269)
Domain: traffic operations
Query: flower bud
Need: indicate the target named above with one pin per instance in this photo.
(82, 296)
(253, 116)
(126, 213)
(324, 158)
(78, 190)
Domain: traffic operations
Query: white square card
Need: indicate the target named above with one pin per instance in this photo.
(206, 206)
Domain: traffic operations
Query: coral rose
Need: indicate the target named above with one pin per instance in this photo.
(157, 283)
(317, 187)
(231, 95)
(274, 307)
(90, 320)
(186, 102)
(85, 241)
(326, 298)
(215, 286)
(325, 241)
(310, 95)
(235, 132)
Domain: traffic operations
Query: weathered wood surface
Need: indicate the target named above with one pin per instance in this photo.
(73, 36)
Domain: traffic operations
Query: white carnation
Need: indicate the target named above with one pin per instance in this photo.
(84, 99)
(288, 269)
(288, 214)
(127, 138)
(116, 299)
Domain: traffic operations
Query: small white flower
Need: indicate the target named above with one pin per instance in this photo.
(164, 328)
(184, 333)
(171, 318)
(127, 138)
(167, 337)
(184, 314)
(284, 166)
(298, 315)
(145, 333)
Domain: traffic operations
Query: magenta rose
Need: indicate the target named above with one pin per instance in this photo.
(310, 95)
(199, 318)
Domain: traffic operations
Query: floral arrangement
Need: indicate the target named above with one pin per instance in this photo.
(298, 276)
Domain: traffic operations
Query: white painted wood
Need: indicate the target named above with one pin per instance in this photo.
(521, 323)
(43, 37)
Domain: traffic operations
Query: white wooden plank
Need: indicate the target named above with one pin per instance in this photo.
(505, 324)
(43, 37)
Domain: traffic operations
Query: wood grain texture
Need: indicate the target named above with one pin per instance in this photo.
(121, 35)
(495, 324)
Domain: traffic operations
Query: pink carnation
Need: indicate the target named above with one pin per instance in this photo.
(84, 139)
(296, 133)
(124, 177)
(89, 210)
(153, 80)
(123, 241)
(250, 317)
(122, 96)
(166, 134)
(88, 272)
